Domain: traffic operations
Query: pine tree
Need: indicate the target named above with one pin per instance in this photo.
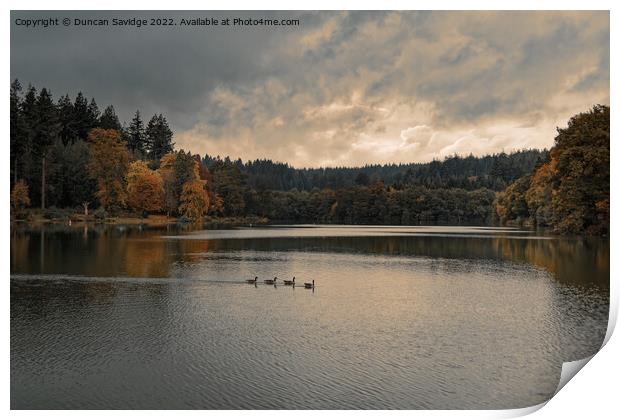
(46, 131)
(18, 134)
(136, 137)
(93, 113)
(81, 116)
(66, 117)
(159, 137)
(109, 120)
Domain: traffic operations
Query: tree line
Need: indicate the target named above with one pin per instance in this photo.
(494, 171)
(68, 155)
(568, 191)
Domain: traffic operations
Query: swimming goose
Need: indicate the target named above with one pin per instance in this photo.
(252, 281)
(309, 285)
(289, 282)
(269, 281)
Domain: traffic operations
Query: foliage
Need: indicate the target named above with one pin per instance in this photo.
(70, 155)
(494, 172)
(511, 204)
(194, 200)
(100, 214)
(68, 180)
(136, 136)
(145, 189)
(109, 161)
(43, 134)
(109, 120)
(570, 191)
(229, 187)
(176, 169)
(54, 212)
(19, 198)
(158, 137)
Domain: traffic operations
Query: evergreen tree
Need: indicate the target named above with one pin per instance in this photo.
(93, 113)
(66, 118)
(136, 136)
(109, 120)
(82, 118)
(46, 131)
(18, 133)
(159, 137)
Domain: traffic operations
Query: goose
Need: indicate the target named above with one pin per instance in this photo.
(309, 285)
(289, 282)
(252, 281)
(269, 281)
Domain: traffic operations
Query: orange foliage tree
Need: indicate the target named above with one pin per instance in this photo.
(19, 197)
(194, 200)
(145, 188)
(109, 160)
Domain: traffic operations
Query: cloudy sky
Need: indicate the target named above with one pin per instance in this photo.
(342, 88)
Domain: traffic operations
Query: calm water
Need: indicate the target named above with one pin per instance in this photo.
(403, 318)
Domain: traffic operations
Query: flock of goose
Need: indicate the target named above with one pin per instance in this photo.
(254, 281)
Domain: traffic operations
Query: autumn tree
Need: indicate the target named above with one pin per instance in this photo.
(570, 191)
(581, 189)
(511, 204)
(145, 190)
(176, 169)
(194, 200)
(539, 195)
(109, 160)
(19, 197)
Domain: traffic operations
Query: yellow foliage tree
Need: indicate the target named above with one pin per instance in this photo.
(108, 164)
(177, 169)
(540, 193)
(145, 188)
(194, 200)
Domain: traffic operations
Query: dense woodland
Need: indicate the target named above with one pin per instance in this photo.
(68, 157)
(569, 191)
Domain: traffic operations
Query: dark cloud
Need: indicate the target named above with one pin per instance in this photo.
(341, 88)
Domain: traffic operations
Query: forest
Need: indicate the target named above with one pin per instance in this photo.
(68, 158)
(569, 190)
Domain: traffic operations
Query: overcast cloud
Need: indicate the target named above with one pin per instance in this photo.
(342, 88)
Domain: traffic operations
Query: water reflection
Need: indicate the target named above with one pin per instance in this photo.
(137, 251)
(139, 317)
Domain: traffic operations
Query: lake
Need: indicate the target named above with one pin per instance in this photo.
(400, 318)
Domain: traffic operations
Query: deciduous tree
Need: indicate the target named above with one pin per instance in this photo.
(194, 200)
(19, 197)
(109, 160)
(145, 190)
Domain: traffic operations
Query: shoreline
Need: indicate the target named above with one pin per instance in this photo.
(151, 220)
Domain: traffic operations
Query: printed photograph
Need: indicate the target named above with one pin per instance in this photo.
(306, 210)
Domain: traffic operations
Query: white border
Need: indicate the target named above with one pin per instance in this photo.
(593, 394)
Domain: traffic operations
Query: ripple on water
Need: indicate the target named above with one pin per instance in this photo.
(378, 332)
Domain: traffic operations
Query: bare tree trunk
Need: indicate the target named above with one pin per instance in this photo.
(85, 204)
(43, 184)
